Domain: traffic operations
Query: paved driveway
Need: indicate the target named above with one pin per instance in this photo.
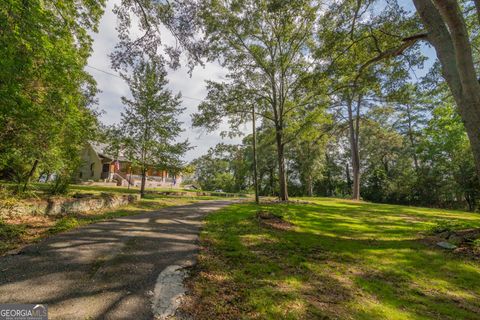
(105, 270)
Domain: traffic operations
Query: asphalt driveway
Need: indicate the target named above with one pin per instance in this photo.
(105, 270)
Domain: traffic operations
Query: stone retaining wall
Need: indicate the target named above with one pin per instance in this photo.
(61, 205)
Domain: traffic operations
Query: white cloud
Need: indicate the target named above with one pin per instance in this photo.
(113, 88)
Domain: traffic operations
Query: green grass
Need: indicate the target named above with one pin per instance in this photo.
(74, 188)
(342, 260)
(9, 235)
(41, 190)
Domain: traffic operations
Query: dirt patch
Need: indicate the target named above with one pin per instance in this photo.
(410, 218)
(270, 220)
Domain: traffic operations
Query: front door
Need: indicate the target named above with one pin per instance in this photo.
(105, 171)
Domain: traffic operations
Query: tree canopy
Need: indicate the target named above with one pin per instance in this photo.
(343, 105)
(45, 94)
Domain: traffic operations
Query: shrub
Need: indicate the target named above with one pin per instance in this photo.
(60, 185)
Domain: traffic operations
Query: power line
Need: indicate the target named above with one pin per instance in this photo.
(109, 73)
(116, 75)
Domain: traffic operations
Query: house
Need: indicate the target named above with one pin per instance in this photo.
(100, 167)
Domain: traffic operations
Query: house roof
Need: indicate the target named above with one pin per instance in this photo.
(102, 150)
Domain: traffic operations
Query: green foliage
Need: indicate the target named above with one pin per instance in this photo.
(223, 168)
(149, 125)
(45, 92)
(414, 151)
(10, 232)
(64, 224)
(60, 185)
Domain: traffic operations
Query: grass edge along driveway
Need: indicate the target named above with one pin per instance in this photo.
(341, 260)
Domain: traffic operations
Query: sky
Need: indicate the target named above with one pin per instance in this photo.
(113, 88)
(192, 88)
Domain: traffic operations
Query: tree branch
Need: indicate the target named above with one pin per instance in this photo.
(407, 43)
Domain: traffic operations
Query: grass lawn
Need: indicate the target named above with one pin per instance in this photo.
(41, 190)
(340, 260)
(16, 231)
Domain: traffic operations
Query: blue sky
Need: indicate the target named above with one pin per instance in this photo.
(192, 88)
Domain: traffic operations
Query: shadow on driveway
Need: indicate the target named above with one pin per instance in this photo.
(105, 270)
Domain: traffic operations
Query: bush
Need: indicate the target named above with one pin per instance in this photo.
(60, 185)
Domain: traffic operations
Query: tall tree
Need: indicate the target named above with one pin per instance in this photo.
(452, 28)
(411, 107)
(150, 124)
(447, 30)
(347, 42)
(263, 44)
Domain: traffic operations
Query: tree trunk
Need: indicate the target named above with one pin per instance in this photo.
(254, 147)
(356, 180)
(412, 139)
(30, 174)
(272, 181)
(470, 202)
(353, 125)
(448, 34)
(349, 180)
(309, 186)
(282, 179)
(470, 113)
(329, 187)
(144, 179)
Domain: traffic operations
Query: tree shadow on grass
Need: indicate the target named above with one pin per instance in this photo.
(341, 262)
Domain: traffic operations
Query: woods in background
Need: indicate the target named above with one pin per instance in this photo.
(342, 105)
(393, 136)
